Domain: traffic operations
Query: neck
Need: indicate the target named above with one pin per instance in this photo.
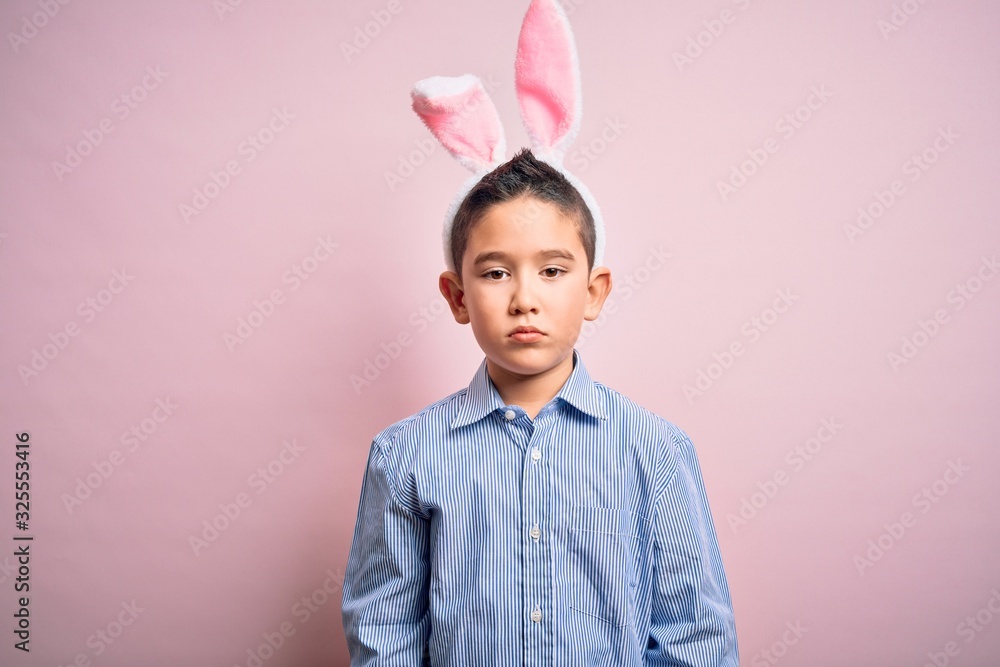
(531, 392)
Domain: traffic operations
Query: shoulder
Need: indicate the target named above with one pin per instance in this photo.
(429, 424)
(624, 410)
(666, 437)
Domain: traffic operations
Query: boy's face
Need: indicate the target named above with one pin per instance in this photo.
(525, 266)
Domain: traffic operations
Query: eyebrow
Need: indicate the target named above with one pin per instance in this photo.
(497, 255)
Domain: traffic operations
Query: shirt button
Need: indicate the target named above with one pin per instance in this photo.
(536, 615)
(535, 533)
(509, 415)
(536, 454)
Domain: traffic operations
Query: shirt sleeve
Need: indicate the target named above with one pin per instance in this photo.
(692, 622)
(385, 594)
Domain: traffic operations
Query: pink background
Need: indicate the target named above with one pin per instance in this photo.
(660, 134)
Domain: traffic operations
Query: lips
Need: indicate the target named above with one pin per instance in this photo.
(526, 335)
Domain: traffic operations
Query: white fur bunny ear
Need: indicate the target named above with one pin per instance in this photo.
(460, 114)
(547, 78)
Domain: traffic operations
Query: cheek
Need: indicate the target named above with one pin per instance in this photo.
(574, 313)
(573, 296)
(482, 304)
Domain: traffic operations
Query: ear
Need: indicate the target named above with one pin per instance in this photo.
(547, 79)
(598, 290)
(451, 289)
(460, 114)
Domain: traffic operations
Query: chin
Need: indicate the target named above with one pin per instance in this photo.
(525, 360)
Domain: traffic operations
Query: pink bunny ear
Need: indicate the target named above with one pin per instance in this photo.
(460, 114)
(547, 76)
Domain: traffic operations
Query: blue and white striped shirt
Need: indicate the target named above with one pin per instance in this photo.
(582, 537)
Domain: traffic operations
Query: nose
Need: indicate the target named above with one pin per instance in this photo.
(523, 298)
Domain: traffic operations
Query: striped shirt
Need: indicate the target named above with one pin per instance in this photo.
(581, 537)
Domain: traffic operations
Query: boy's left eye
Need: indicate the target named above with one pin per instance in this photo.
(553, 275)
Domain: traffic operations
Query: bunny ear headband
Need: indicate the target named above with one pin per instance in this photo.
(460, 114)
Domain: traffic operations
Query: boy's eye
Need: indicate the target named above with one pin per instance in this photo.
(556, 272)
(493, 274)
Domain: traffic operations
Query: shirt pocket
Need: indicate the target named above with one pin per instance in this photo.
(599, 569)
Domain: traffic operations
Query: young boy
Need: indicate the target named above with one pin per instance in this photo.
(536, 517)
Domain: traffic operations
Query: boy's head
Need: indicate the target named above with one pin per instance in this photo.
(523, 241)
(521, 176)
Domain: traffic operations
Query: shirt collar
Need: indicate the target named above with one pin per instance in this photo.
(482, 396)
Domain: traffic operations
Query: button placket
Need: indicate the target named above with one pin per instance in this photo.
(536, 571)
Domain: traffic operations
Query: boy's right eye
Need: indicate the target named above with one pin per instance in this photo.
(492, 275)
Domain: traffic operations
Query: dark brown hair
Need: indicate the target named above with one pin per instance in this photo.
(522, 175)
